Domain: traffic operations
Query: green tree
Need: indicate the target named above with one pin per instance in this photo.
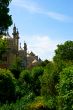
(47, 81)
(37, 73)
(25, 82)
(16, 67)
(44, 63)
(5, 18)
(65, 89)
(3, 47)
(64, 52)
(7, 86)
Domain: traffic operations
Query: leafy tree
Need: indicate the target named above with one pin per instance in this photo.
(5, 18)
(3, 47)
(16, 68)
(7, 86)
(65, 89)
(37, 72)
(25, 82)
(47, 81)
(44, 63)
(64, 52)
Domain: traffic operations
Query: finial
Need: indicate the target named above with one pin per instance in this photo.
(25, 45)
(14, 29)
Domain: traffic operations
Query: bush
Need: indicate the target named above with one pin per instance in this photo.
(16, 68)
(7, 87)
(19, 104)
(40, 103)
(25, 82)
(37, 73)
(65, 89)
(47, 81)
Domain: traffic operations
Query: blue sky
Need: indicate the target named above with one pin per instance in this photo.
(43, 24)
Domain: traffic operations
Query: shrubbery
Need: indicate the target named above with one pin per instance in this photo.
(37, 73)
(25, 82)
(65, 90)
(7, 86)
(48, 86)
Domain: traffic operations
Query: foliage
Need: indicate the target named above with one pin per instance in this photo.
(65, 89)
(47, 81)
(3, 47)
(64, 52)
(19, 104)
(37, 72)
(44, 63)
(5, 18)
(41, 103)
(16, 68)
(25, 82)
(7, 87)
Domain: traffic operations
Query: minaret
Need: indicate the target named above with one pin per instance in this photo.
(25, 54)
(14, 30)
(16, 37)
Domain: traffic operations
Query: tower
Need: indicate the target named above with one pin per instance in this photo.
(25, 54)
(16, 37)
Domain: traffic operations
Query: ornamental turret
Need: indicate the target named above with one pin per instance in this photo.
(25, 54)
(16, 37)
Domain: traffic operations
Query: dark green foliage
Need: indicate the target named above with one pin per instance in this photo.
(7, 87)
(44, 63)
(40, 103)
(37, 72)
(19, 104)
(3, 47)
(16, 68)
(25, 82)
(65, 90)
(48, 86)
(5, 18)
(64, 52)
(25, 76)
(48, 81)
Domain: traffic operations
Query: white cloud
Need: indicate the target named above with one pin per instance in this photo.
(28, 5)
(35, 8)
(42, 46)
(58, 16)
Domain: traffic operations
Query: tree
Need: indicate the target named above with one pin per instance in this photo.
(64, 52)
(3, 47)
(16, 67)
(48, 81)
(65, 89)
(25, 82)
(5, 18)
(36, 74)
(7, 86)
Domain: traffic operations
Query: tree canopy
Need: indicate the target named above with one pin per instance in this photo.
(64, 51)
(3, 47)
(5, 18)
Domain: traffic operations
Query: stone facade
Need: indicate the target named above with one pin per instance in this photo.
(27, 59)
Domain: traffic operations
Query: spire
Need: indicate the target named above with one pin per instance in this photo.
(14, 29)
(25, 46)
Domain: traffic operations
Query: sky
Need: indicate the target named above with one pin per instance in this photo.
(43, 24)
